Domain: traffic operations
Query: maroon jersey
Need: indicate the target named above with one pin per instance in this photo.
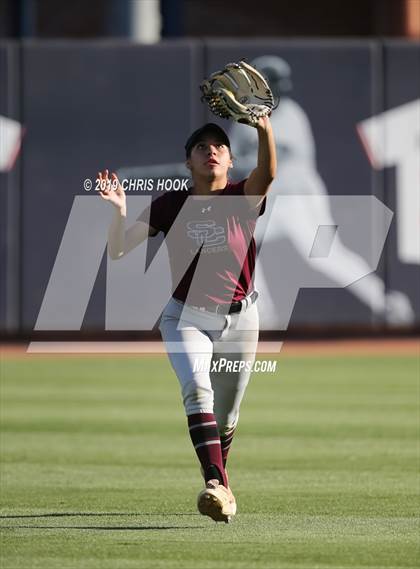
(220, 231)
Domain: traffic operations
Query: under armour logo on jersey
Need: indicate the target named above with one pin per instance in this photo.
(204, 209)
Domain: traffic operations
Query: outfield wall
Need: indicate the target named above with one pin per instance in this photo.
(91, 105)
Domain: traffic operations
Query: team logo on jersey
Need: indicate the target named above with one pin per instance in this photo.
(206, 233)
(204, 209)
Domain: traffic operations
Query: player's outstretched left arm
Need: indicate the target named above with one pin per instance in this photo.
(262, 176)
(121, 240)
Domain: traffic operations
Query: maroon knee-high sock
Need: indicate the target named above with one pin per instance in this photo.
(226, 440)
(206, 440)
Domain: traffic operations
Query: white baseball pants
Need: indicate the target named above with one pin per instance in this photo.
(198, 343)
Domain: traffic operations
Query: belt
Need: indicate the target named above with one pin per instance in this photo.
(235, 306)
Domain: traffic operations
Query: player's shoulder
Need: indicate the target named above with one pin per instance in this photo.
(249, 203)
(234, 188)
(163, 208)
(172, 202)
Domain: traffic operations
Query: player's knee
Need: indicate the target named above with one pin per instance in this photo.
(227, 423)
(197, 398)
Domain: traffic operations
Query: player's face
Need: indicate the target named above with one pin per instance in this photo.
(210, 158)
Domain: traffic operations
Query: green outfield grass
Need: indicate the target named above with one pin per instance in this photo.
(98, 471)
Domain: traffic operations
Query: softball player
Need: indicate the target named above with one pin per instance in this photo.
(210, 324)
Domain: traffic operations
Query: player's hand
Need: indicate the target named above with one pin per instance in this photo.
(111, 189)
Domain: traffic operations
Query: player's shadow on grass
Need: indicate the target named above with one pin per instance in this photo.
(96, 528)
(93, 514)
(105, 528)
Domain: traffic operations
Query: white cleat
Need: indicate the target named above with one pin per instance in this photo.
(217, 502)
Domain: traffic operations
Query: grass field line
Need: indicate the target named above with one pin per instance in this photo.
(97, 470)
(363, 346)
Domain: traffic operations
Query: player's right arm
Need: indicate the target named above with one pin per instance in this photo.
(121, 240)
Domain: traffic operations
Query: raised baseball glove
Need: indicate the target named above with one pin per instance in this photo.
(238, 92)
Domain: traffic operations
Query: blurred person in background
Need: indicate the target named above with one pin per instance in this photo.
(297, 174)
